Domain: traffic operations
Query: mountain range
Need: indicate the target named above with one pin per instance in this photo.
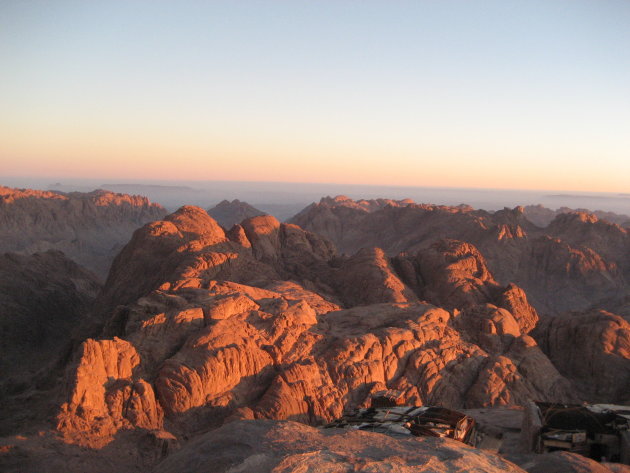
(89, 227)
(208, 335)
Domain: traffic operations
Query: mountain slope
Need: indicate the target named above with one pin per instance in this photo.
(572, 264)
(89, 228)
(44, 299)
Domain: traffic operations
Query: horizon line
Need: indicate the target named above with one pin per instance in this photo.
(144, 181)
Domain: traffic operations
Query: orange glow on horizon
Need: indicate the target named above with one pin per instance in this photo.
(96, 150)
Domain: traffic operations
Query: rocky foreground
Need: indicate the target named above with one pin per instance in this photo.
(201, 335)
(268, 446)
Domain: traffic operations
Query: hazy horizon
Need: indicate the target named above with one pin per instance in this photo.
(285, 199)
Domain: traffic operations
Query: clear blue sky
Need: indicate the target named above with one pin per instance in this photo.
(503, 94)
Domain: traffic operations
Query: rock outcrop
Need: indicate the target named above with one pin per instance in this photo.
(335, 217)
(90, 228)
(272, 446)
(132, 451)
(368, 277)
(542, 216)
(593, 350)
(253, 327)
(572, 264)
(105, 395)
(228, 214)
(582, 229)
(564, 462)
(455, 275)
(559, 277)
(189, 249)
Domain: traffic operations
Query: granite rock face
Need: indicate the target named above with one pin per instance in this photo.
(368, 277)
(593, 350)
(90, 228)
(272, 446)
(104, 394)
(564, 462)
(575, 262)
(582, 229)
(542, 216)
(275, 325)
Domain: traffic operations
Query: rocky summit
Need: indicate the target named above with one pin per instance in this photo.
(211, 348)
(228, 213)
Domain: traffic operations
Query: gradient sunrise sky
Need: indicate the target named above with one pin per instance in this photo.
(499, 94)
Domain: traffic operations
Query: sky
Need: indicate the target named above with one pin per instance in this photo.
(480, 94)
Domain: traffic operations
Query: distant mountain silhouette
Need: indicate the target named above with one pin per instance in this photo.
(230, 213)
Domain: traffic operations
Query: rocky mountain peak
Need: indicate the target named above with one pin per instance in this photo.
(195, 222)
(9, 195)
(228, 213)
(569, 217)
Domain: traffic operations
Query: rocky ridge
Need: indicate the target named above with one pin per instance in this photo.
(90, 228)
(578, 261)
(542, 216)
